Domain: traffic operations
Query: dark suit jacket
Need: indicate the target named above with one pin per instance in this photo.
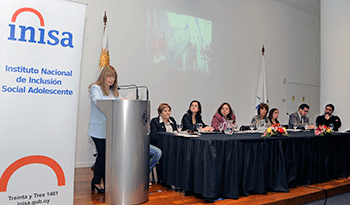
(294, 118)
(159, 127)
(187, 123)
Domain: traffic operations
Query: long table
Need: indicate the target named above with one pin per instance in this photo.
(218, 165)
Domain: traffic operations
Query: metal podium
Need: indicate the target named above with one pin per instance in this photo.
(127, 150)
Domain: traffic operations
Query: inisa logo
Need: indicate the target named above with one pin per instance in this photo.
(53, 36)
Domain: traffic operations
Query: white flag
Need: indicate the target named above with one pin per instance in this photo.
(261, 94)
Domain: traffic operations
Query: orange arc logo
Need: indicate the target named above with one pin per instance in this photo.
(34, 159)
(26, 9)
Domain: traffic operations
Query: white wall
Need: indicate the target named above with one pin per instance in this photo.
(335, 73)
(291, 38)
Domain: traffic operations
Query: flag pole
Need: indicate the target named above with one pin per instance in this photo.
(263, 50)
(261, 95)
(104, 57)
(105, 19)
(264, 76)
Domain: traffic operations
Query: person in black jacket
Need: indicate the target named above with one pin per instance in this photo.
(328, 118)
(193, 116)
(162, 123)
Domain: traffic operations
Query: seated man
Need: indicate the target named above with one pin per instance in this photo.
(299, 118)
(327, 118)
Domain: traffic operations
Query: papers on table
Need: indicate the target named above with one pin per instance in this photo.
(186, 134)
(294, 130)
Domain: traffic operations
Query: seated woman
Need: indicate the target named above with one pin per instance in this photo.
(273, 117)
(193, 116)
(162, 123)
(223, 114)
(263, 109)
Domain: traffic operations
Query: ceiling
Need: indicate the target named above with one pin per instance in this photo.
(309, 6)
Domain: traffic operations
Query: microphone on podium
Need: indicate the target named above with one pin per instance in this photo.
(133, 86)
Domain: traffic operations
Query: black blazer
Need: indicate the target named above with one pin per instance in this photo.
(159, 127)
(187, 123)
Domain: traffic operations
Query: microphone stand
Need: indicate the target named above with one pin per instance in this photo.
(147, 92)
(127, 87)
(133, 86)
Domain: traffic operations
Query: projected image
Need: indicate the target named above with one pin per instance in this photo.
(178, 41)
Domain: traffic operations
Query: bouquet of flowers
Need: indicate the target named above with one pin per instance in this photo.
(275, 129)
(323, 130)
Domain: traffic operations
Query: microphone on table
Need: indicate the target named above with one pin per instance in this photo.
(288, 115)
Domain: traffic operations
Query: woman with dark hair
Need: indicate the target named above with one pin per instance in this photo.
(222, 115)
(103, 89)
(273, 116)
(193, 117)
(263, 109)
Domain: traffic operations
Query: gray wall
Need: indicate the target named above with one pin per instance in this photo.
(291, 38)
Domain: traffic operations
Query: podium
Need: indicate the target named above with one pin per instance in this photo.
(127, 150)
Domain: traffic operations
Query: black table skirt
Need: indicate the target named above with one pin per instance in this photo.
(219, 165)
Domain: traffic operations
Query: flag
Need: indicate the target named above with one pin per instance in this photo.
(261, 95)
(104, 60)
(104, 57)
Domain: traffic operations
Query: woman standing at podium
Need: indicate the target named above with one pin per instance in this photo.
(104, 88)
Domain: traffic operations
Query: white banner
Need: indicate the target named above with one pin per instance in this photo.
(40, 57)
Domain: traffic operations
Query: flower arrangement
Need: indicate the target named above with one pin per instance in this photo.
(323, 130)
(275, 129)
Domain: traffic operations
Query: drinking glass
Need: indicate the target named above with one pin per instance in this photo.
(260, 126)
(235, 128)
(199, 126)
(221, 127)
(312, 124)
(331, 126)
(228, 129)
(295, 125)
(179, 127)
(251, 126)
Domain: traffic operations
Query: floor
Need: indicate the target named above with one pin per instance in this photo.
(165, 195)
